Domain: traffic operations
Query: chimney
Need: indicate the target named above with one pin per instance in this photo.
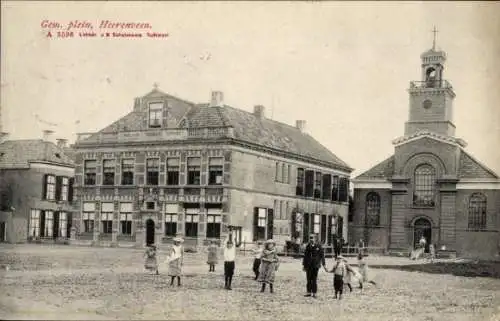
(3, 137)
(258, 111)
(137, 104)
(217, 99)
(61, 143)
(47, 135)
(301, 125)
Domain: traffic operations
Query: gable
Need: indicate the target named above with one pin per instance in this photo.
(471, 168)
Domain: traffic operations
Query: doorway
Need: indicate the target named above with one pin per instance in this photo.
(3, 232)
(150, 232)
(422, 227)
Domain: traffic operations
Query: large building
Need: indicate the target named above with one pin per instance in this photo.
(171, 167)
(430, 186)
(36, 188)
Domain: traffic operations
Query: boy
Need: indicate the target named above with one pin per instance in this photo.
(257, 252)
(229, 258)
(339, 271)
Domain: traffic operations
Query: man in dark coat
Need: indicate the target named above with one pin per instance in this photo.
(314, 258)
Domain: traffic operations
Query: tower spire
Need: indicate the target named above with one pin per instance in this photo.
(434, 31)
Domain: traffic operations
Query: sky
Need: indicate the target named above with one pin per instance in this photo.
(344, 67)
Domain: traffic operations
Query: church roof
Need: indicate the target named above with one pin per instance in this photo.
(19, 153)
(247, 128)
(469, 167)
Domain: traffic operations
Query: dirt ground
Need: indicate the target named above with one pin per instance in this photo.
(78, 283)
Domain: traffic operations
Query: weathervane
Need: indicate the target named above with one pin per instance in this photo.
(434, 31)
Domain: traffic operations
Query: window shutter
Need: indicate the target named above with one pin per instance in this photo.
(44, 187)
(305, 228)
(270, 221)
(293, 228)
(323, 228)
(58, 188)
(340, 226)
(70, 189)
(255, 223)
(329, 230)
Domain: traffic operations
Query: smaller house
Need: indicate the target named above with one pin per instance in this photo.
(36, 191)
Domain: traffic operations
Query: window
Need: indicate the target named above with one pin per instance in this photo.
(126, 218)
(323, 236)
(309, 183)
(127, 172)
(63, 224)
(343, 189)
(316, 223)
(289, 173)
(423, 194)
(34, 227)
(277, 175)
(173, 171)
(372, 209)
(215, 170)
(88, 216)
(213, 225)
(335, 188)
(317, 185)
(287, 211)
(277, 209)
(192, 225)
(64, 189)
(477, 211)
(150, 205)
(285, 178)
(90, 170)
(300, 182)
(326, 187)
(48, 224)
(260, 223)
(282, 210)
(106, 223)
(50, 189)
(171, 224)
(155, 115)
(194, 168)
(153, 171)
(108, 168)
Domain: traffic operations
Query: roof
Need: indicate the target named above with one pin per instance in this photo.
(19, 153)
(469, 167)
(247, 128)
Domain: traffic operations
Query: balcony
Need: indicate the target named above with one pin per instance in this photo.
(155, 135)
(430, 84)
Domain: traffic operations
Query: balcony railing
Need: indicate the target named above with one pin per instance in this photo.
(155, 135)
(444, 84)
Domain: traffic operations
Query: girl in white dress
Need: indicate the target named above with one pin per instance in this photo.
(363, 271)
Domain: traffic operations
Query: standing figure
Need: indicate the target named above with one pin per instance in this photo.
(213, 256)
(338, 243)
(257, 252)
(314, 258)
(151, 263)
(339, 271)
(432, 250)
(229, 266)
(363, 271)
(422, 242)
(175, 261)
(350, 276)
(269, 265)
(361, 246)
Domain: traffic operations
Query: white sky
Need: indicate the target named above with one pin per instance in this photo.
(343, 67)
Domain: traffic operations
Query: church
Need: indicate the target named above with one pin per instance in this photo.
(431, 186)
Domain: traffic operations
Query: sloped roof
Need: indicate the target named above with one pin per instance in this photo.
(472, 168)
(247, 127)
(18, 153)
(384, 169)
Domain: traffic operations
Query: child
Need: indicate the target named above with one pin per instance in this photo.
(229, 258)
(175, 261)
(432, 251)
(269, 265)
(339, 271)
(363, 271)
(257, 252)
(212, 256)
(351, 274)
(151, 263)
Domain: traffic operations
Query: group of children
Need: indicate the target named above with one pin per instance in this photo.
(265, 265)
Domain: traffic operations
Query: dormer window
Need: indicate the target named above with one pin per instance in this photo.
(155, 115)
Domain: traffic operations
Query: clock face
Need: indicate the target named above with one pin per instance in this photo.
(427, 104)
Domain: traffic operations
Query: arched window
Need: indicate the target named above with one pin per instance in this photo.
(372, 209)
(477, 211)
(424, 186)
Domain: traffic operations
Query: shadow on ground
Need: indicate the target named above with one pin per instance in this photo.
(470, 269)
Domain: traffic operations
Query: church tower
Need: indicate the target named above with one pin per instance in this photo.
(431, 98)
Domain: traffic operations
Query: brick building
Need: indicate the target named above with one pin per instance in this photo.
(36, 188)
(430, 186)
(171, 167)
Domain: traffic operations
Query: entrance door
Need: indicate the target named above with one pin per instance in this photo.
(3, 232)
(150, 232)
(422, 227)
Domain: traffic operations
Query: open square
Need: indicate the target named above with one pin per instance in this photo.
(79, 283)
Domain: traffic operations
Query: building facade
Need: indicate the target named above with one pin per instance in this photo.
(171, 167)
(36, 190)
(430, 186)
